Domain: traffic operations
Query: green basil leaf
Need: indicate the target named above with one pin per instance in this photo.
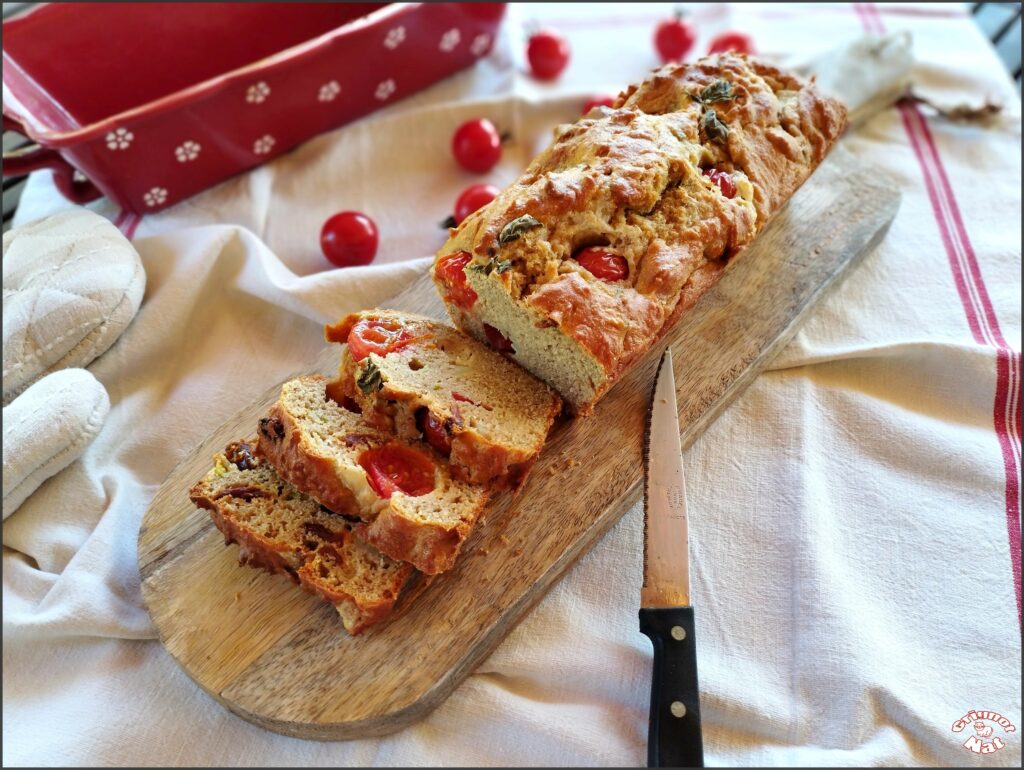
(715, 129)
(516, 228)
(370, 379)
(492, 265)
(719, 91)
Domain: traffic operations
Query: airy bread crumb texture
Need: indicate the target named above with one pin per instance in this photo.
(316, 444)
(279, 529)
(495, 414)
(636, 179)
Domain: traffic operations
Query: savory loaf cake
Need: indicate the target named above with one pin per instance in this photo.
(630, 215)
(285, 532)
(402, 491)
(421, 378)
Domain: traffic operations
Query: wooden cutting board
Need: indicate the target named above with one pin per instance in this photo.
(281, 659)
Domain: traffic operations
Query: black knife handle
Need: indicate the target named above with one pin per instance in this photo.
(674, 737)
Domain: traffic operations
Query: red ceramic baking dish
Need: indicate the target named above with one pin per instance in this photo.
(149, 103)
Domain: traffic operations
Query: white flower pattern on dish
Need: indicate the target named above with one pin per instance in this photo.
(119, 139)
(328, 91)
(385, 89)
(157, 196)
(395, 38)
(257, 93)
(480, 43)
(263, 145)
(449, 40)
(188, 151)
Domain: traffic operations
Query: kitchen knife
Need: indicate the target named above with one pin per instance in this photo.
(674, 735)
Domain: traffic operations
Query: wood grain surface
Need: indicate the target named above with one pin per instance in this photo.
(281, 659)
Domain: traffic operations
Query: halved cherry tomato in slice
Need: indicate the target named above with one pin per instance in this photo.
(433, 430)
(498, 341)
(396, 467)
(603, 264)
(451, 271)
(376, 335)
(724, 181)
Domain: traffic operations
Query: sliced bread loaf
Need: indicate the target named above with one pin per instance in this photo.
(630, 215)
(410, 506)
(421, 378)
(281, 530)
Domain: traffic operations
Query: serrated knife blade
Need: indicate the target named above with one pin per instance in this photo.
(674, 733)
(666, 527)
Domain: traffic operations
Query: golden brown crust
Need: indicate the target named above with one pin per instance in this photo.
(426, 531)
(433, 548)
(636, 180)
(282, 444)
(283, 532)
(493, 440)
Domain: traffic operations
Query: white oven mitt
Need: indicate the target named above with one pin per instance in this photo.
(72, 284)
(47, 428)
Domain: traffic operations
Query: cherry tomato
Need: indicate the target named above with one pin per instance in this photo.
(603, 264)
(349, 238)
(674, 38)
(476, 145)
(433, 430)
(598, 101)
(396, 467)
(472, 198)
(376, 335)
(732, 40)
(498, 341)
(724, 181)
(547, 53)
(451, 271)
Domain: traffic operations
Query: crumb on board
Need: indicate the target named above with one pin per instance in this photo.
(238, 595)
(504, 539)
(517, 552)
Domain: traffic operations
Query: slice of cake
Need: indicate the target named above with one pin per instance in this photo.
(421, 378)
(281, 530)
(402, 490)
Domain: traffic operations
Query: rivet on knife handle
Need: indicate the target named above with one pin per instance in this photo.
(674, 734)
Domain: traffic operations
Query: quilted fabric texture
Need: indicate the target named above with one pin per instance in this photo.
(72, 284)
(47, 428)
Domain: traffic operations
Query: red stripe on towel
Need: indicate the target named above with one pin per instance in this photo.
(974, 296)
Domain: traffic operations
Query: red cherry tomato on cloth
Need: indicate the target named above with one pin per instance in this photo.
(433, 431)
(472, 198)
(451, 271)
(674, 38)
(349, 238)
(603, 264)
(498, 341)
(476, 145)
(548, 54)
(598, 101)
(724, 181)
(396, 467)
(375, 335)
(733, 40)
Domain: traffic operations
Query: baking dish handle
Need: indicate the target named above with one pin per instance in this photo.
(33, 157)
